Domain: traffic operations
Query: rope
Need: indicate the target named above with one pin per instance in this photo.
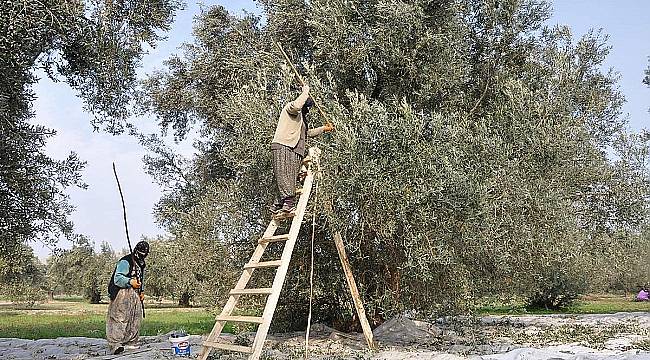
(311, 272)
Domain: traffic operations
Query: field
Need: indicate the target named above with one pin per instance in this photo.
(589, 304)
(65, 317)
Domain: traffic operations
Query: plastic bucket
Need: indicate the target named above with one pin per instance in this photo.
(180, 344)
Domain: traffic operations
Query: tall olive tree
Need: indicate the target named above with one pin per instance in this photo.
(94, 46)
(470, 156)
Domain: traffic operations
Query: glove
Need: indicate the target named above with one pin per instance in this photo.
(141, 296)
(135, 283)
(328, 127)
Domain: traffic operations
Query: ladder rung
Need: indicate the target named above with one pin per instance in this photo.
(258, 291)
(275, 238)
(230, 347)
(248, 319)
(263, 264)
(283, 215)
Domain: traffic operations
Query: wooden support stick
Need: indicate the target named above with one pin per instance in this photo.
(302, 82)
(358, 304)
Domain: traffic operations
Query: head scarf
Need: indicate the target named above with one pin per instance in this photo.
(141, 251)
(308, 104)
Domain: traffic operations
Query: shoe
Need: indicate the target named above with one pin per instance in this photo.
(119, 350)
(275, 208)
(289, 204)
(288, 208)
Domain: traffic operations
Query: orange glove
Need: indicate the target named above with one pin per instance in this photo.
(141, 296)
(328, 127)
(135, 283)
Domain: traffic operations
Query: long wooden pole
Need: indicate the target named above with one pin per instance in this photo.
(126, 227)
(358, 304)
(302, 82)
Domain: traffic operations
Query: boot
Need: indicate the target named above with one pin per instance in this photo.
(289, 204)
(276, 207)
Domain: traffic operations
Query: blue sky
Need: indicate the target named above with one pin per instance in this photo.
(99, 212)
(627, 22)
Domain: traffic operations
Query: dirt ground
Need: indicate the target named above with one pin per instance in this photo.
(611, 336)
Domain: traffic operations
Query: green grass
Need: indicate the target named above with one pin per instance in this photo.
(47, 326)
(70, 317)
(592, 304)
(67, 317)
(607, 305)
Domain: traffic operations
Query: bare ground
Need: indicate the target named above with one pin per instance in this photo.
(611, 336)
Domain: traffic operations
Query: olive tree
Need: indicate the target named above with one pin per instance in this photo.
(469, 157)
(193, 270)
(25, 278)
(82, 271)
(95, 47)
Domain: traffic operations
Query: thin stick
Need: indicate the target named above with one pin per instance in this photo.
(302, 82)
(126, 227)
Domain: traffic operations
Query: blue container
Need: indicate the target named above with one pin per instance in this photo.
(180, 344)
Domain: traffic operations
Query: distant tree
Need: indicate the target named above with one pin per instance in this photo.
(96, 47)
(24, 277)
(191, 270)
(81, 271)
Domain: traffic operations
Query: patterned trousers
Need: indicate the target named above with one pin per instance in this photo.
(286, 166)
(123, 319)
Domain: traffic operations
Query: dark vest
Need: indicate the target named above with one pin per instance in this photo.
(113, 289)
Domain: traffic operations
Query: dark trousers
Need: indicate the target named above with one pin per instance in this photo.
(286, 166)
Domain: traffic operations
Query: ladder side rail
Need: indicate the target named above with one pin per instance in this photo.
(280, 276)
(354, 291)
(241, 284)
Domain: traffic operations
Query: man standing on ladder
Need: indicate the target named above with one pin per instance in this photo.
(125, 290)
(288, 148)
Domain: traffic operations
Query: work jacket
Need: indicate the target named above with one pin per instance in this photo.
(290, 124)
(125, 269)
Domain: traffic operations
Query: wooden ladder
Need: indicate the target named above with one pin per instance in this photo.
(273, 292)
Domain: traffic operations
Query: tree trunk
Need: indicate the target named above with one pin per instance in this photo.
(184, 300)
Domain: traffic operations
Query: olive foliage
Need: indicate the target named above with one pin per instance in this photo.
(191, 270)
(470, 156)
(27, 275)
(95, 47)
(82, 271)
(646, 79)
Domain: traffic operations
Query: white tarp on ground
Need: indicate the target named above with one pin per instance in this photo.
(622, 336)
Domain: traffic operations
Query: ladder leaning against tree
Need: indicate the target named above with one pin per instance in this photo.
(311, 162)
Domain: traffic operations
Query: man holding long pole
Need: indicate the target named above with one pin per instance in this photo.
(125, 290)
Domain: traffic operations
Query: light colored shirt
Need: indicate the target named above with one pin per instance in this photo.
(290, 124)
